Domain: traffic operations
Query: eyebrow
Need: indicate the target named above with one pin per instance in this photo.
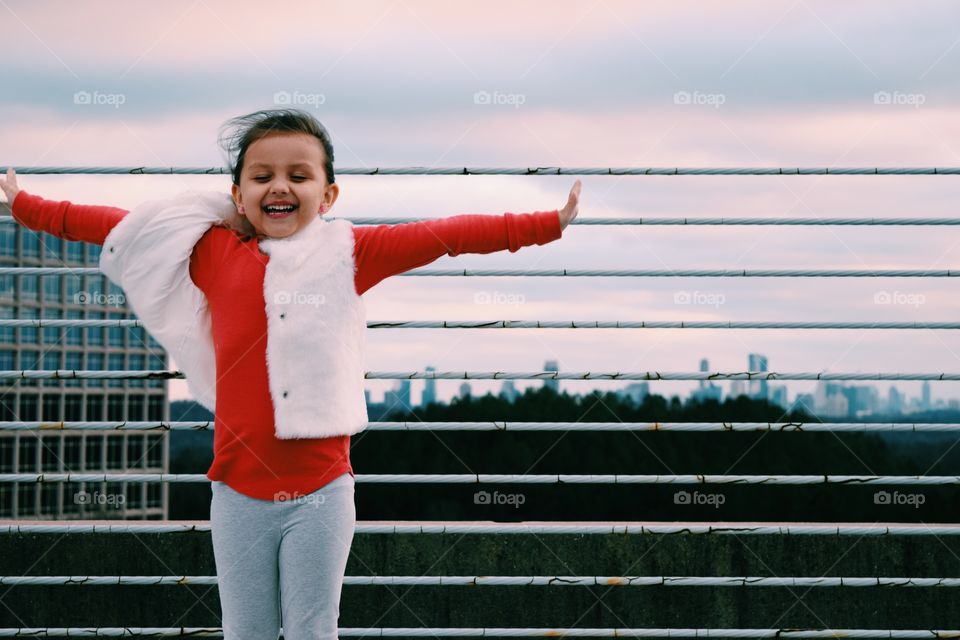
(295, 164)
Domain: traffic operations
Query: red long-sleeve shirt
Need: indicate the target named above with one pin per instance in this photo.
(247, 455)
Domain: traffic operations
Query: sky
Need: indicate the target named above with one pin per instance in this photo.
(572, 84)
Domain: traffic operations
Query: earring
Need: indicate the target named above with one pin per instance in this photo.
(242, 210)
(323, 208)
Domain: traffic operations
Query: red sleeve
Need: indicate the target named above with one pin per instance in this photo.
(386, 250)
(86, 223)
(208, 255)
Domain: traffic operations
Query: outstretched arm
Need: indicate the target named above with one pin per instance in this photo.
(387, 250)
(63, 219)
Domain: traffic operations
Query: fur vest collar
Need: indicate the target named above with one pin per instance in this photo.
(316, 322)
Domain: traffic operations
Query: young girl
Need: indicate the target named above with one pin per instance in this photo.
(257, 299)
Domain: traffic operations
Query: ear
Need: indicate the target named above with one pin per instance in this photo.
(237, 197)
(331, 194)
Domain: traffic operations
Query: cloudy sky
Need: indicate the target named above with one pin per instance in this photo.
(596, 83)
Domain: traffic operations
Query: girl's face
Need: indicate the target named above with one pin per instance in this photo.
(282, 185)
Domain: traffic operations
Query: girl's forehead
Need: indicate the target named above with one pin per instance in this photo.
(285, 148)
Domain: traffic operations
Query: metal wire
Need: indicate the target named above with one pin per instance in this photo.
(506, 478)
(539, 324)
(509, 581)
(69, 374)
(511, 632)
(593, 273)
(522, 171)
(516, 426)
(537, 528)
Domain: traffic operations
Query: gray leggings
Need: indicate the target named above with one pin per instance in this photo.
(282, 558)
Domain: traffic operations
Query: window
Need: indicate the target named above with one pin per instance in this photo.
(94, 453)
(155, 408)
(51, 288)
(51, 247)
(71, 503)
(8, 239)
(31, 243)
(7, 334)
(28, 408)
(51, 408)
(50, 453)
(28, 454)
(27, 499)
(74, 335)
(94, 408)
(154, 494)
(115, 335)
(115, 452)
(49, 493)
(74, 363)
(71, 453)
(6, 455)
(115, 363)
(73, 409)
(8, 359)
(155, 444)
(8, 287)
(135, 408)
(156, 364)
(136, 364)
(52, 360)
(94, 363)
(29, 361)
(75, 251)
(72, 287)
(134, 495)
(29, 334)
(53, 335)
(135, 451)
(94, 334)
(115, 408)
(28, 287)
(93, 253)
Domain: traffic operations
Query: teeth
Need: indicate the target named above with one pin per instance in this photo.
(275, 209)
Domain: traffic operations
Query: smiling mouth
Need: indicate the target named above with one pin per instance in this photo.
(277, 212)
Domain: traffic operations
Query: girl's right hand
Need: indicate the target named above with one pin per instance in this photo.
(9, 186)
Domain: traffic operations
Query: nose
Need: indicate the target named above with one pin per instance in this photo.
(279, 185)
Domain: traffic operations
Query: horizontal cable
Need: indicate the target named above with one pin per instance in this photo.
(513, 426)
(523, 171)
(539, 324)
(508, 581)
(69, 374)
(688, 222)
(537, 528)
(505, 632)
(594, 273)
(506, 478)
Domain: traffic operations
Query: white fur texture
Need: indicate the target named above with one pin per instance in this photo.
(315, 352)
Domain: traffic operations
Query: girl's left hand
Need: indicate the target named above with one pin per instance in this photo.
(570, 211)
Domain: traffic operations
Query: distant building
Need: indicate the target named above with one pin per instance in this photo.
(636, 392)
(465, 390)
(429, 390)
(509, 391)
(758, 387)
(779, 397)
(398, 398)
(706, 389)
(894, 401)
(551, 365)
(925, 403)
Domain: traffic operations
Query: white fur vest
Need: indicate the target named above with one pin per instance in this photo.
(316, 322)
